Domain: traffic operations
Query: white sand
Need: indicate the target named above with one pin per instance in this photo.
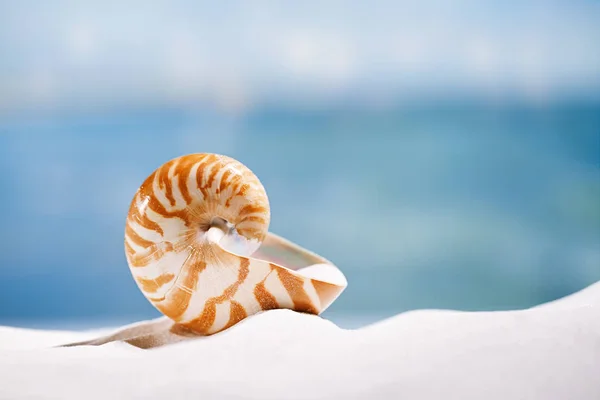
(547, 352)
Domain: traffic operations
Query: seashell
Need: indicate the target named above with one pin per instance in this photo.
(198, 247)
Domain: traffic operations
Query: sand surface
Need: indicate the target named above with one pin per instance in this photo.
(547, 352)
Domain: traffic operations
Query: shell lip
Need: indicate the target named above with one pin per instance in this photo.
(283, 255)
(296, 259)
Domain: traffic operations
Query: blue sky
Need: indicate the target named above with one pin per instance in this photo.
(237, 54)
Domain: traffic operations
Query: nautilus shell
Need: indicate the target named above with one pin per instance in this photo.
(198, 246)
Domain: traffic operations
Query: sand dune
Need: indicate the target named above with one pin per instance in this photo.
(547, 352)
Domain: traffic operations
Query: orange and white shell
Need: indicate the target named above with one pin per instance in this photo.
(198, 246)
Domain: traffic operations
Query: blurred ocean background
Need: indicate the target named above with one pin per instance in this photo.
(442, 154)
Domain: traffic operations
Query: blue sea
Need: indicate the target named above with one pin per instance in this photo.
(470, 206)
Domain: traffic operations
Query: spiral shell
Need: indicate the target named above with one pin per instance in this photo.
(198, 246)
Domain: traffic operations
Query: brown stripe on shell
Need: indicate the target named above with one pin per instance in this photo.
(164, 182)
(215, 168)
(178, 300)
(254, 218)
(295, 288)
(224, 181)
(252, 209)
(243, 190)
(237, 312)
(234, 183)
(182, 172)
(152, 285)
(204, 322)
(135, 238)
(159, 209)
(145, 222)
(327, 292)
(154, 252)
(266, 300)
(129, 252)
(204, 162)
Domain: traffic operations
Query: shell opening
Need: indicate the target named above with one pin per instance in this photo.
(226, 235)
(222, 224)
